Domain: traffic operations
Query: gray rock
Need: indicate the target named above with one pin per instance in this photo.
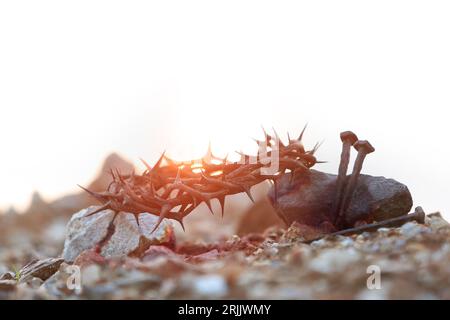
(308, 199)
(436, 222)
(42, 269)
(7, 276)
(129, 238)
(113, 236)
(85, 232)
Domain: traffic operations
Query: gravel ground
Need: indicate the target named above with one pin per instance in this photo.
(413, 263)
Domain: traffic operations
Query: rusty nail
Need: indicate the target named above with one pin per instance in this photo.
(348, 138)
(418, 215)
(364, 148)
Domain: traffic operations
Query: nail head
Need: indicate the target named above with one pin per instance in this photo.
(348, 136)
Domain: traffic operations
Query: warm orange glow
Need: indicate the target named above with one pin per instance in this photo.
(197, 170)
(216, 173)
(196, 166)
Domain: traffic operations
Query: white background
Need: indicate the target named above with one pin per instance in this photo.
(81, 79)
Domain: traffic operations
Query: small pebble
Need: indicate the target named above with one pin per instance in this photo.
(90, 275)
(412, 229)
(211, 285)
(334, 260)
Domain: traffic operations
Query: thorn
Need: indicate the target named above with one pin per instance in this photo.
(249, 194)
(161, 216)
(208, 204)
(136, 217)
(264, 131)
(180, 221)
(244, 157)
(277, 137)
(97, 196)
(158, 163)
(149, 168)
(225, 159)
(316, 147)
(289, 137)
(300, 137)
(222, 204)
(169, 160)
(101, 208)
(208, 156)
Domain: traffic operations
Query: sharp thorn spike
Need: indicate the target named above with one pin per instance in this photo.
(208, 204)
(180, 221)
(93, 194)
(101, 208)
(275, 133)
(149, 168)
(316, 147)
(161, 217)
(249, 194)
(158, 163)
(136, 217)
(222, 204)
(169, 160)
(208, 156)
(300, 137)
(264, 131)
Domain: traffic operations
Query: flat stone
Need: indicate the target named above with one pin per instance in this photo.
(42, 269)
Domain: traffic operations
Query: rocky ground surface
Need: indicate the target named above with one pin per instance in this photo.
(414, 261)
(48, 252)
